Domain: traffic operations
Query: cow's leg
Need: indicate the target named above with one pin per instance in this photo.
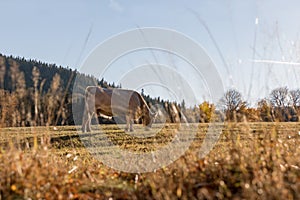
(127, 123)
(88, 124)
(85, 119)
(130, 123)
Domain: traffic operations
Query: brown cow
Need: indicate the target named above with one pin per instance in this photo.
(116, 102)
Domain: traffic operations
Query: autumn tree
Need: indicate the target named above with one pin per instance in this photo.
(265, 110)
(207, 111)
(279, 97)
(295, 98)
(282, 101)
(2, 71)
(233, 105)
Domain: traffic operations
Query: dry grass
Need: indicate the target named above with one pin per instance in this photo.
(250, 161)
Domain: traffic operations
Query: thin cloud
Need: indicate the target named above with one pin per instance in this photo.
(116, 6)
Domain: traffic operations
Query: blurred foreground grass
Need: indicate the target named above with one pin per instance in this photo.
(250, 161)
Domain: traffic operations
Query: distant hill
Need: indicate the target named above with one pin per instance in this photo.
(47, 72)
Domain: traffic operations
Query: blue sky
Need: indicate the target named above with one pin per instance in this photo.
(56, 32)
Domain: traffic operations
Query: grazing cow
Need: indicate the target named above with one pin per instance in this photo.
(116, 102)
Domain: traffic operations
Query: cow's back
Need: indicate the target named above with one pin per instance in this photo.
(114, 102)
(126, 100)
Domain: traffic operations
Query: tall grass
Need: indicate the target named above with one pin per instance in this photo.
(251, 161)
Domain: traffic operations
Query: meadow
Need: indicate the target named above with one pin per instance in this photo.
(250, 161)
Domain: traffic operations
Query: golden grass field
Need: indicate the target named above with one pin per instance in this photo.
(249, 161)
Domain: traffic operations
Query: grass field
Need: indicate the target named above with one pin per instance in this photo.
(250, 161)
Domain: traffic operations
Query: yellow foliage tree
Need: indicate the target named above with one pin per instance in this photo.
(207, 111)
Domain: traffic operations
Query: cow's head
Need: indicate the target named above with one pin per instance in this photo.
(149, 119)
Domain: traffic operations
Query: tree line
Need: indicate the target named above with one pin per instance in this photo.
(282, 105)
(33, 93)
